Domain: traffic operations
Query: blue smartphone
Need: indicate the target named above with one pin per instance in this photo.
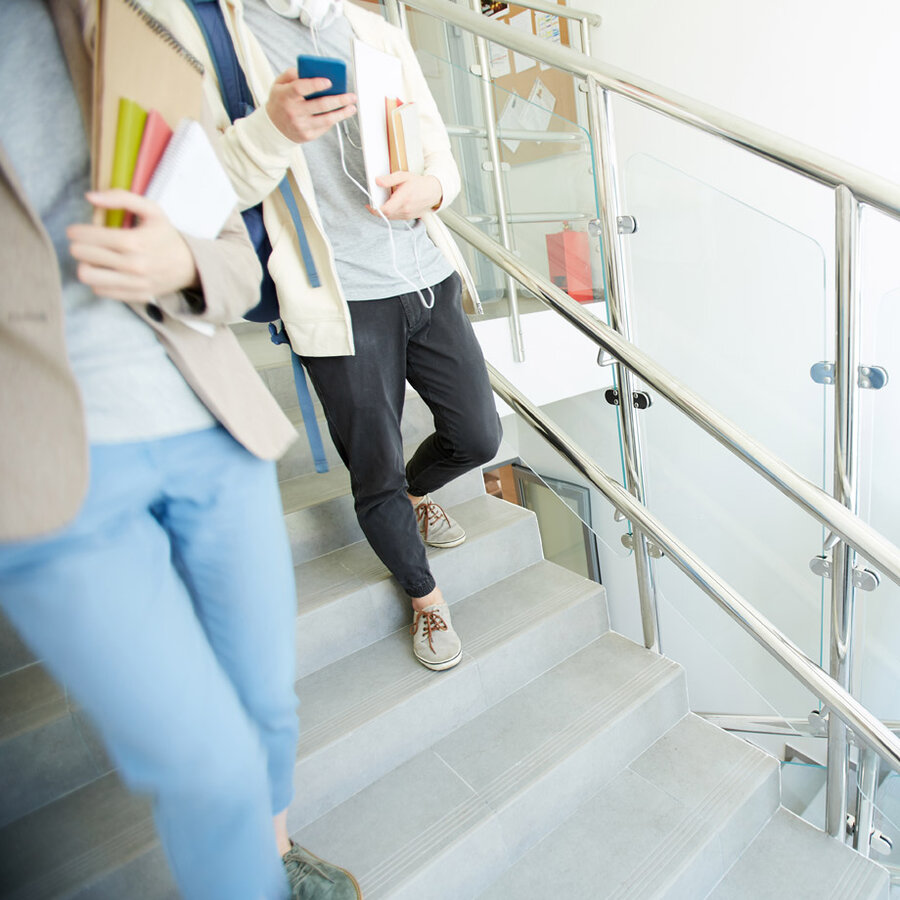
(335, 70)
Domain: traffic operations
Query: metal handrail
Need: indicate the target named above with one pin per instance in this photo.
(867, 728)
(822, 167)
(832, 514)
(564, 12)
(518, 134)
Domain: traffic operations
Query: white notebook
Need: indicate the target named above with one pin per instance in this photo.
(378, 76)
(190, 184)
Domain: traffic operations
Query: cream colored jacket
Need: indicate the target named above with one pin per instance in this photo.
(258, 155)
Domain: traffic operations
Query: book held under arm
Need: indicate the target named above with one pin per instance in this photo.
(190, 185)
(138, 58)
(405, 135)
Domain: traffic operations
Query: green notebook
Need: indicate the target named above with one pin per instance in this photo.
(129, 131)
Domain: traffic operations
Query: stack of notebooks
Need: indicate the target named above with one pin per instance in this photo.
(145, 85)
(179, 172)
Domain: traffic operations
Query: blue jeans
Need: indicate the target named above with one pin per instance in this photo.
(167, 608)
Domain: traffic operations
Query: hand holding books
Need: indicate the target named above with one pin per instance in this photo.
(411, 195)
(133, 265)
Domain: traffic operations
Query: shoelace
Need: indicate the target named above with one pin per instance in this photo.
(433, 622)
(431, 514)
(300, 869)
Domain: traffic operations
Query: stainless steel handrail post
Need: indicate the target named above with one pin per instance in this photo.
(846, 464)
(584, 26)
(606, 181)
(869, 765)
(396, 14)
(493, 142)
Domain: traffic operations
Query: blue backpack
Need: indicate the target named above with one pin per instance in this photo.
(239, 102)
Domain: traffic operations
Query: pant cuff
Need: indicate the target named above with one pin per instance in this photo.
(420, 588)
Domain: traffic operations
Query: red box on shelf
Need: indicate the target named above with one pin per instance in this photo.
(569, 255)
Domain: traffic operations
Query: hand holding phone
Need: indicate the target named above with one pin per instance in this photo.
(335, 70)
(304, 117)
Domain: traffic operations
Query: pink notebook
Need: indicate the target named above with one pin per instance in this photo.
(153, 144)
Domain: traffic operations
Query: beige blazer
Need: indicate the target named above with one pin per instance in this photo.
(43, 447)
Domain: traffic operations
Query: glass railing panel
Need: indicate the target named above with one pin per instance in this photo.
(732, 302)
(803, 789)
(876, 670)
(557, 492)
(546, 176)
(885, 842)
(718, 674)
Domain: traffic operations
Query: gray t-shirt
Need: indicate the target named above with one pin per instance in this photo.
(360, 241)
(130, 388)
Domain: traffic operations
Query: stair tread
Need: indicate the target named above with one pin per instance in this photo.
(667, 812)
(322, 578)
(338, 698)
(304, 491)
(13, 652)
(467, 779)
(791, 858)
(92, 830)
(374, 709)
(29, 698)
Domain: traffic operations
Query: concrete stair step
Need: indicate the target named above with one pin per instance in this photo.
(790, 858)
(319, 514)
(669, 825)
(448, 822)
(370, 711)
(74, 841)
(146, 877)
(298, 458)
(13, 653)
(347, 599)
(47, 746)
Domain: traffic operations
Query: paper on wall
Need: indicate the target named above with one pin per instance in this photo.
(511, 118)
(546, 26)
(499, 60)
(538, 111)
(522, 22)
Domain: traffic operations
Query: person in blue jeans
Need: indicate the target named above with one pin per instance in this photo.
(143, 553)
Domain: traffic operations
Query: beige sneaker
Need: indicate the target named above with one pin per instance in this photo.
(436, 527)
(435, 643)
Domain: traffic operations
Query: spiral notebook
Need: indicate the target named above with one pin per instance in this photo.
(138, 57)
(190, 185)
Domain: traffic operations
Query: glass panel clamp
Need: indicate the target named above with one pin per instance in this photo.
(639, 399)
(863, 579)
(655, 551)
(872, 378)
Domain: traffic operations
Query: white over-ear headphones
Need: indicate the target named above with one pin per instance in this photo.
(312, 13)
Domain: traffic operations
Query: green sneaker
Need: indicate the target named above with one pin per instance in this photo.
(311, 878)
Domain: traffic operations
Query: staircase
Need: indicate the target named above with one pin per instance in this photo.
(557, 760)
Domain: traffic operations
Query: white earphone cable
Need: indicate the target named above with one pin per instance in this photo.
(390, 230)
